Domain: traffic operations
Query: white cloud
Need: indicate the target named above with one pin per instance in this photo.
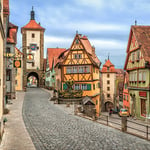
(99, 44)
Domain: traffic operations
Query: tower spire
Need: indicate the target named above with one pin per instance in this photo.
(32, 14)
(108, 56)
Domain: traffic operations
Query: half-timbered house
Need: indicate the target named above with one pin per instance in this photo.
(82, 66)
(138, 66)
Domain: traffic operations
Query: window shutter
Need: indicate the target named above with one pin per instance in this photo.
(89, 87)
(64, 86)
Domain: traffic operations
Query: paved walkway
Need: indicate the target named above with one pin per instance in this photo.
(54, 127)
(15, 135)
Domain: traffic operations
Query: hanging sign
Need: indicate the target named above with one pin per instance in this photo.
(17, 63)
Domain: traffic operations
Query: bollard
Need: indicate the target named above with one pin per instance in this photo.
(124, 124)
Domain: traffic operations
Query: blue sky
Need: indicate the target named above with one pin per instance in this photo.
(106, 23)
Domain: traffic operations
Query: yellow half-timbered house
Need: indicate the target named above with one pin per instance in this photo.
(83, 67)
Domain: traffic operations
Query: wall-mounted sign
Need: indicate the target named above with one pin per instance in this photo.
(17, 63)
(33, 46)
(30, 57)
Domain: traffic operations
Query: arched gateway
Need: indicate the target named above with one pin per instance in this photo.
(32, 80)
(33, 49)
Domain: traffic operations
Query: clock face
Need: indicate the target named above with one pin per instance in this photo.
(33, 46)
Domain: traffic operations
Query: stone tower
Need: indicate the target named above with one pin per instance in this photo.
(33, 51)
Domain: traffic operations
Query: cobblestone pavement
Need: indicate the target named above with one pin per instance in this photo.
(51, 127)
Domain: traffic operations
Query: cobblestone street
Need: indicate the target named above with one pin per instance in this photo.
(51, 127)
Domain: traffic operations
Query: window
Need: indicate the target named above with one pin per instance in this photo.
(69, 70)
(125, 85)
(33, 35)
(77, 41)
(77, 87)
(75, 69)
(142, 76)
(138, 55)
(127, 98)
(83, 86)
(93, 86)
(8, 50)
(77, 56)
(108, 88)
(32, 64)
(8, 75)
(16, 82)
(108, 82)
(78, 69)
(108, 95)
(94, 69)
(133, 57)
(108, 68)
(108, 76)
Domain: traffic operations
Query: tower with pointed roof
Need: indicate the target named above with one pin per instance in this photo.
(108, 73)
(33, 50)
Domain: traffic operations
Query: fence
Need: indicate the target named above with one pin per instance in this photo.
(127, 125)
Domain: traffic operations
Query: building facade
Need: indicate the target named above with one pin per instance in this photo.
(33, 51)
(2, 41)
(138, 67)
(81, 65)
(108, 74)
(126, 96)
(51, 73)
(19, 70)
(9, 59)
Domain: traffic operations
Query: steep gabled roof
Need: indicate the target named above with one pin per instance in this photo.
(18, 51)
(142, 35)
(109, 65)
(53, 54)
(88, 48)
(12, 37)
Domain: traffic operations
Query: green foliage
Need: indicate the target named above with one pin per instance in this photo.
(69, 92)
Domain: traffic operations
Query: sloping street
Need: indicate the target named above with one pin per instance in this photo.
(52, 127)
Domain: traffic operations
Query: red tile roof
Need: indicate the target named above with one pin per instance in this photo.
(142, 35)
(110, 65)
(18, 51)
(12, 37)
(89, 49)
(6, 7)
(32, 25)
(53, 54)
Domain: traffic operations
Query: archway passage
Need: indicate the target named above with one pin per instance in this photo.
(108, 105)
(32, 80)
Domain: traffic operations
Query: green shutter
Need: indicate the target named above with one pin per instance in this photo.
(89, 87)
(125, 86)
(64, 86)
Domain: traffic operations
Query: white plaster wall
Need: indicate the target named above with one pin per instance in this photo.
(36, 53)
(112, 78)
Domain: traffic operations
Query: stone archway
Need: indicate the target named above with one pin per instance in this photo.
(108, 105)
(33, 79)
